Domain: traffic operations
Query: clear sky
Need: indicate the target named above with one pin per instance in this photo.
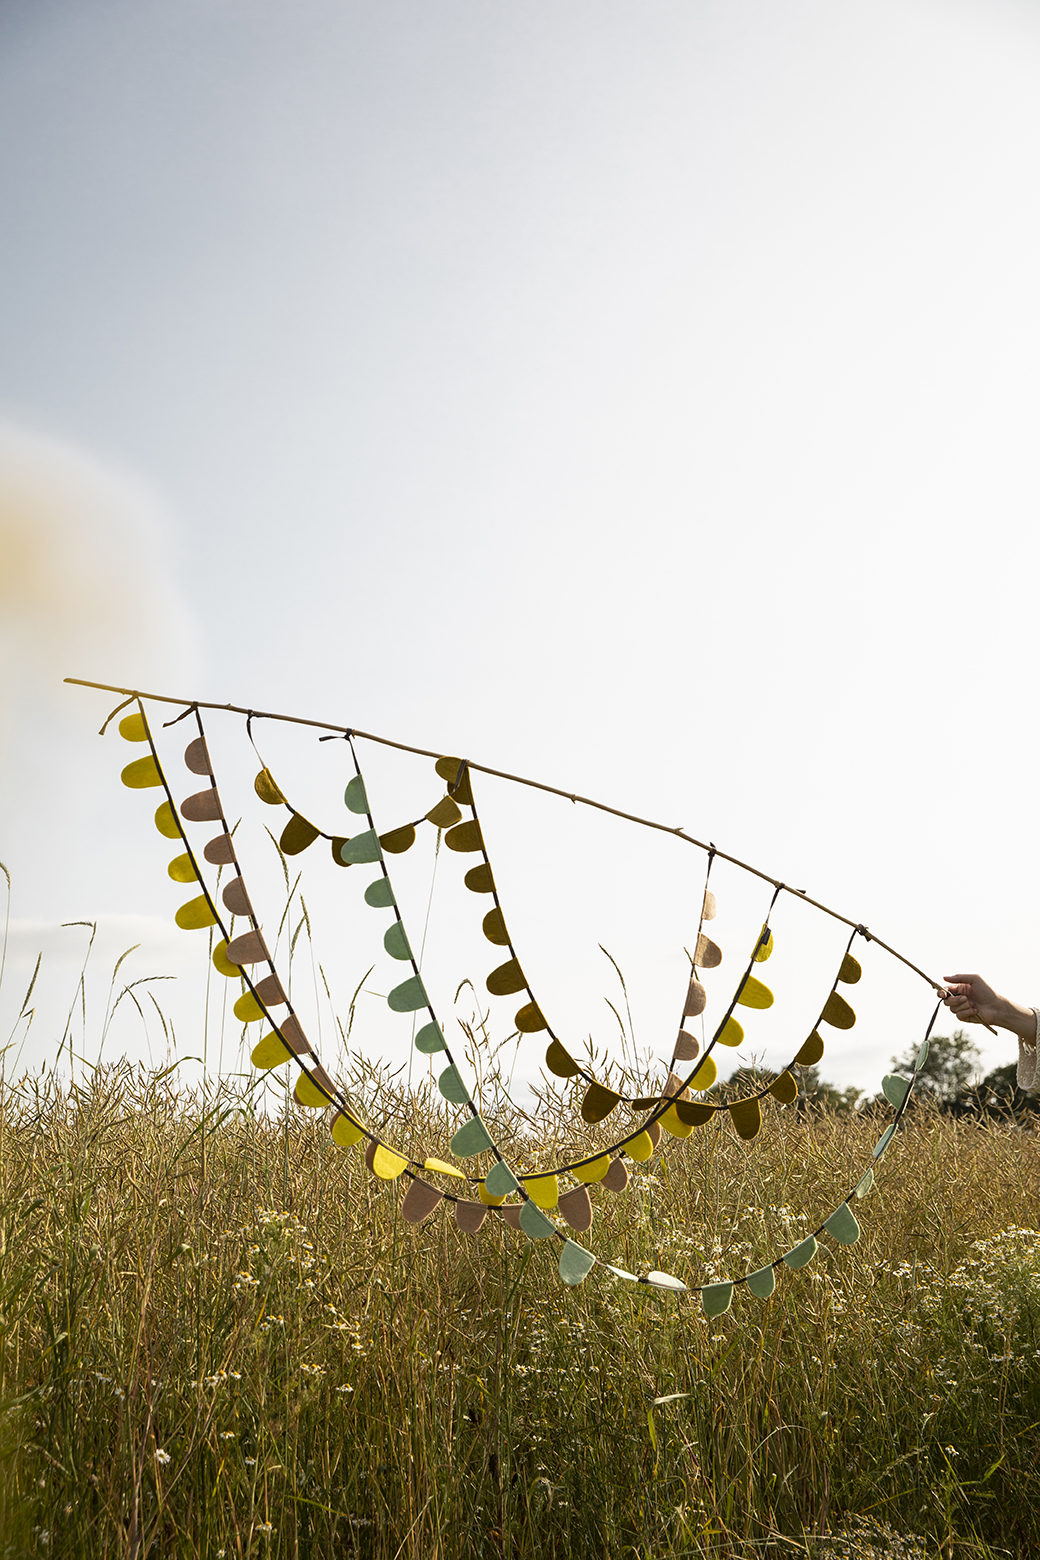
(642, 397)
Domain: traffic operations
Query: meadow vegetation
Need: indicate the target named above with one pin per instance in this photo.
(219, 1338)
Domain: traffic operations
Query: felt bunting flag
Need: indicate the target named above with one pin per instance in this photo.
(398, 840)
(754, 995)
(133, 728)
(746, 1116)
(543, 1190)
(884, 1140)
(765, 946)
(141, 774)
(471, 1138)
(576, 1207)
(696, 999)
(489, 1199)
(355, 798)
(534, 1223)
(665, 1281)
(196, 757)
(297, 835)
(419, 1202)
(202, 807)
(865, 1184)
(510, 1214)
(445, 813)
(562, 1065)
(529, 1019)
(379, 894)
(387, 1165)
(469, 1216)
(594, 1170)
(686, 1047)
(195, 915)
(220, 851)
(455, 772)
(575, 1263)
(731, 1033)
(465, 837)
(479, 880)
(270, 992)
(395, 941)
(408, 997)
(784, 1089)
(708, 955)
(837, 1013)
(709, 907)
(429, 1040)
(452, 1087)
(292, 1033)
(506, 980)
(166, 822)
(843, 1225)
(811, 1051)
(181, 870)
(674, 1124)
(922, 1055)
(895, 1088)
(716, 1299)
(247, 1009)
(598, 1102)
(641, 1147)
(695, 1113)
(315, 1092)
(250, 948)
(336, 844)
(703, 1078)
(440, 1168)
(616, 1178)
(851, 970)
(235, 897)
(344, 1131)
(763, 1283)
(266, 789)
(270, 1052)
(222, 963)
(500, 1180)
(361, 848)
(494, 927)
(802, 1253)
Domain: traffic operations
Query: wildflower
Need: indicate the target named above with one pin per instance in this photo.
(161, 1456)
(250, 1462)
(227, 1435)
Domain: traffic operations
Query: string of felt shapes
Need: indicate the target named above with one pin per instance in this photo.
(575, 1261)
(287, 1041)
(672, 1109)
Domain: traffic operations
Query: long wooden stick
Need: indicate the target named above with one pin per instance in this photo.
(538, 785)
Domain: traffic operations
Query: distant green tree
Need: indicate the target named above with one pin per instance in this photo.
(821, 1095)
(953, 1061)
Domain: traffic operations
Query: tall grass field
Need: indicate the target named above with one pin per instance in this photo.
(218, 1337)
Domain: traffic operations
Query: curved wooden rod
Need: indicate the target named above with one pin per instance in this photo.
(538, 785)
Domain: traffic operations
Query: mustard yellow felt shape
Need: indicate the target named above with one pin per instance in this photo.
(465, 837)
(479, 880)
(344, 1131)
(593, 1171)
(746, 1116)
(694, 1112)
(507, 979)
(811, 1051)
(166, 822)
(598, 1103)
(387, 1165)
(181, 870)
(836, 1011)
(671, 1122)
(704, 1077)
(248, 1009)
(560, 1062)
(731, 1033)
(765, 946)
(444, 814)
(270, 1052)
(398, 840)
(195, 915)
(297, 835)
(755, 995)
(851, 970)
(494, 927)
(133, 728)
(457, 775)
(529, 1019)
(543, 1190)
(222, 963)
(309, 1094)
(641, 1147)
(141, 773)
(266, 789)
(784, 1089)
(440, 1168)
(487, 1199)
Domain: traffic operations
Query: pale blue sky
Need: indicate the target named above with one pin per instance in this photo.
(638, 396)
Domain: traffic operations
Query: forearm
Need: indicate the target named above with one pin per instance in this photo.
(1020, 1020)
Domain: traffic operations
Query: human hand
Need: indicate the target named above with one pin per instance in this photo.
(973, 1001)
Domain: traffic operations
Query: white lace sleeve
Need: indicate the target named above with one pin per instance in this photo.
(1027, 1055)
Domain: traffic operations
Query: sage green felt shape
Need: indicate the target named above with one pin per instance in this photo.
(884, 1140)
(361, 848)
(355, 797)
(575, 1263)
(763, 1282)
(471, 1138)
(802, 1253)
(534, 1223)
(922, 1055)
(665, 1281)
(429, 1040)
(452, 1087)
(895, 1088)
(500, 1180)
(716, 1298)
(409, 997)
(395, 941)
(843, 1225)
(379, 894)
(865, 1184)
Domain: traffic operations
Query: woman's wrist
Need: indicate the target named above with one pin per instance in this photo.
(1020, 1020)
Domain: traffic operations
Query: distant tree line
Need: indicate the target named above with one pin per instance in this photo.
(948, 1081)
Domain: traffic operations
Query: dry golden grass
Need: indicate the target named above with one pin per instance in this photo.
(218, 1337)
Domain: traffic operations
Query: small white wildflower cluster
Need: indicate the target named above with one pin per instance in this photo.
(868, 1539)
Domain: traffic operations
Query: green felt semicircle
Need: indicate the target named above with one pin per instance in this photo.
(763, 1283)
(802, 1253)
(575, 1263)
(716, 1298)
(408, 997)
(843, 1225)
(534, 1223)
(395, 941)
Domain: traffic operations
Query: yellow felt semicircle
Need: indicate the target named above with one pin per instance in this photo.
(705, 1075)
(671, 1123)
(851, 970)
(494, 928)
(387, 1165)
(166, 821)
(247, 1009)
(747, 1118)
(479, 880)
(308, 1093)
(487, 1199)
(397, 841)
(448, 769)
(529, 1019)
(133, 727)
(345, 1132)
(196, 914)
(765, 946)
(560, 1062)
(811, 1051)
(836, 1011)
(640, 1148)
(181, 870)
(594, 1171)
(543, 1190)
(731, 1033)
(141, 774)
(755, 995)
(598, 1102)
(784, 1089)
(440, 1168)
(465, 837)
(221, 961)
(270, 1052)
(444, 814)
(266, 789)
